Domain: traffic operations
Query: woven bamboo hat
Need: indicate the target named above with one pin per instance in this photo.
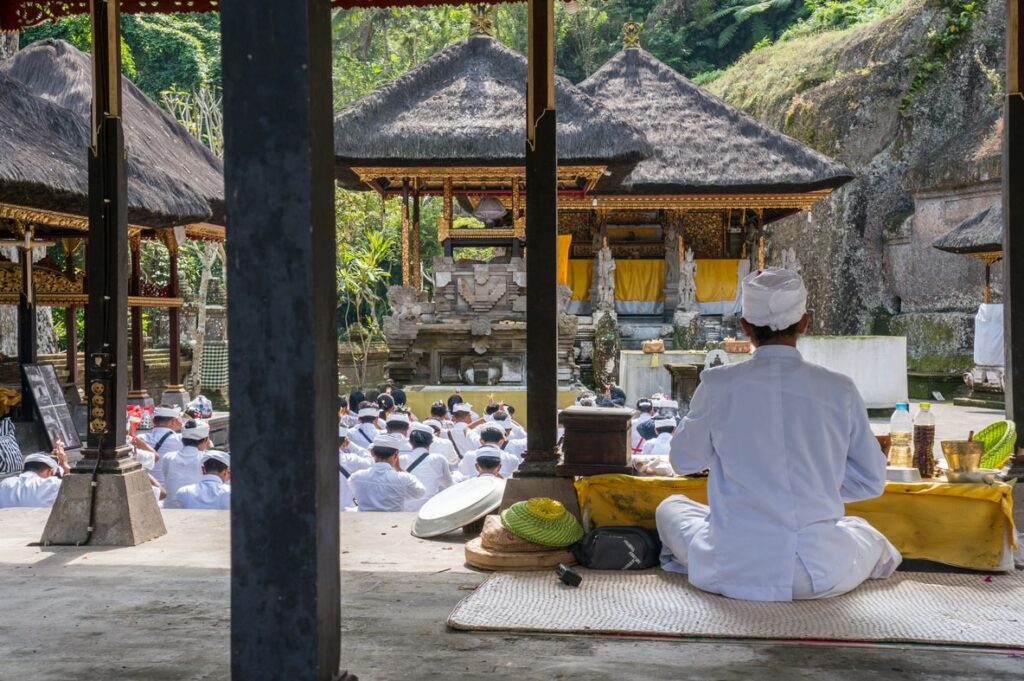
(542, 521)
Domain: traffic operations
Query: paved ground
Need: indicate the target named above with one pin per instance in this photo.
(160, 611)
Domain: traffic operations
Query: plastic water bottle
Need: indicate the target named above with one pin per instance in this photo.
(901, 429)
(924, 441)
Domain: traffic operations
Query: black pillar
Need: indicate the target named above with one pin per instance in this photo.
(1013, 211)
(106, 314)
(26, 331)
(278, 167)
(541, 237)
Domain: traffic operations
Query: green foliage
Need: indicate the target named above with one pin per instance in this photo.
(158, 51)
(955, 24)
(836, 15)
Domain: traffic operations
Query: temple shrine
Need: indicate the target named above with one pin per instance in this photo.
(662, 209)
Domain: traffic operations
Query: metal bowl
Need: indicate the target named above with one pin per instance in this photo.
(962, 456)
(901, 474)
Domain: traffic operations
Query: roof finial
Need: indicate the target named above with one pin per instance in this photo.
(631, 35)
(480, 23)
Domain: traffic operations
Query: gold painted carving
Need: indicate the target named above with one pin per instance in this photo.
(631, 34)
(799, 201)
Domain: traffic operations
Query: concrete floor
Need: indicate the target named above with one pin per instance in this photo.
(160, 611)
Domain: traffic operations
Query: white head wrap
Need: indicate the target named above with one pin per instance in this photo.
(166, 412)
(200, 430)
(398, 417)
(389, 441)
(774, 297)
(462, 407)
(420, 428)
(42, 457)
(368, 411)
(216, 455)
(664, 423)
(434, 423)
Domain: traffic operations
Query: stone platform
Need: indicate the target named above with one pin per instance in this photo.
(160, 611)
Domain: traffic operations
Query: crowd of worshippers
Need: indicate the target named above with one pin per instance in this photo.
(390, 460)
(183, 468)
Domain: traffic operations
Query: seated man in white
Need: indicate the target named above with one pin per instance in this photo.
(430, 468)
(492, 437)
(213, 491)
(39, 482)
(786, 444)
(184, 467)
(351, 458)
(384, 486)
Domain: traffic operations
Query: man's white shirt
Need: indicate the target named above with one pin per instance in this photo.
(171, 443)
(210, 493)
(180, 469)
(350, 461)
(363, 434)
(381, 488)
(464, 439)
(29, 490)
(433, 472)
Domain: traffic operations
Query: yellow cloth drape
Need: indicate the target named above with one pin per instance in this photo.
(963, 525)
(581, 275)
(562, 268)
(716, 280)
(640, 280)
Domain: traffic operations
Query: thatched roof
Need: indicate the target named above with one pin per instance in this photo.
(701, 144)
(981, 233)
(466, 105)
(44, 152)
(161, 153)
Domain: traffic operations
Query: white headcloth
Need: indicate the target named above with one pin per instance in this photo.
(774, 297)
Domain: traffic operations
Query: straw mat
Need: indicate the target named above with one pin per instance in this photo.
(957, 609)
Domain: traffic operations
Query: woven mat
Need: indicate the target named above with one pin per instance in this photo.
(958, 609)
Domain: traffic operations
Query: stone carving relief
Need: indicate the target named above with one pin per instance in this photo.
(687, 283)
(605, 300)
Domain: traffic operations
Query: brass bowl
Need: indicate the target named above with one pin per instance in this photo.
(962, 456)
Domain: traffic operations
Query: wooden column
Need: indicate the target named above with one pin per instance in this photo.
(760, 239)
(174, 322)
(541, 237)
(138, 390)
(106, 314)
(27, 342)
(71, 316)
(279, 173)
(1013, 211)
(406, 260)
(417, 265)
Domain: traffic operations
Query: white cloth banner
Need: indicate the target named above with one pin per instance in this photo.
(988, 335)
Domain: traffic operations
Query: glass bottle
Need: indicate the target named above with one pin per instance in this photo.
(924, 441)
(901, 428)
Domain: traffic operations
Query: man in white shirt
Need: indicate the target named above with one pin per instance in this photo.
(384, 486)
(513, 445)
(655, 457)
(645, 411)
(38, 483)
(430, 469)
(461, 435)
(786, 444)
(213, 491)
(491, 439)
(185, 467)
(366, 430)
(398, 425)
(350, 459)
(165, 436)
(441, 444)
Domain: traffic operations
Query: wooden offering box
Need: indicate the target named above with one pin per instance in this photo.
(596, 441)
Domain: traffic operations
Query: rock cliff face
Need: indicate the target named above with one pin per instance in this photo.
(926, 152)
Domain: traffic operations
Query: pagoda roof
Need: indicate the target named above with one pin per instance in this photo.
(167, 167)
(700, 143)
(44, 150)
(466, 106)
(979, 234)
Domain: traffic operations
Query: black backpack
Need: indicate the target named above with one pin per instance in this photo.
(618, 548)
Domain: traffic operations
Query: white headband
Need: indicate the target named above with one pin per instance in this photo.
(774, 297)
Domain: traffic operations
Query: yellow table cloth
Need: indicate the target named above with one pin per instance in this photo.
(964, 525)
(580, 274)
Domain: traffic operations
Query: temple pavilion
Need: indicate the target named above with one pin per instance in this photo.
(664, 194)
(175, 191)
